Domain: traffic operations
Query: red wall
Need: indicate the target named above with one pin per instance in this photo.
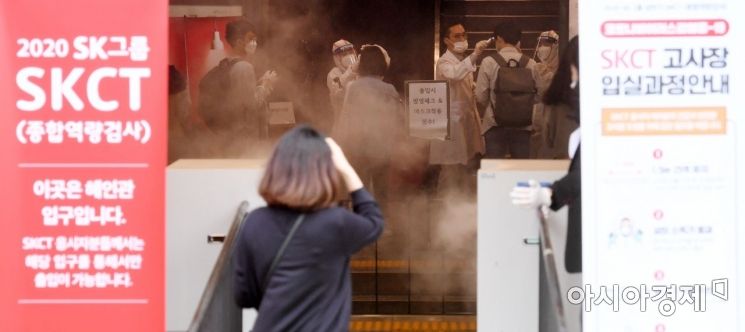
(189, 41)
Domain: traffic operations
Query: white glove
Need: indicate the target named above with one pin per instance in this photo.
(355, 65)
(270, 77)
(531, 196)
(480, 47)
(349, 75)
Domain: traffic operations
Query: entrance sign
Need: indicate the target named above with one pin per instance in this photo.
(83, 120)
(663, 156)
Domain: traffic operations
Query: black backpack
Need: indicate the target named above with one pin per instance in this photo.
(213, 93)
(515, 92)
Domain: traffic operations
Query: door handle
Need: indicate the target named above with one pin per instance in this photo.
(531, 241)
(212, 238)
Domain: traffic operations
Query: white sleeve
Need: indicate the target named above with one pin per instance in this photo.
(348, 76)
(483, 82)
(542, 76)
(457, 72)
(331, 83)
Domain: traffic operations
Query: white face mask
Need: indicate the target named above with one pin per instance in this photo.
(460, 47)
(251, 46)
(543, 52)
(348, 60)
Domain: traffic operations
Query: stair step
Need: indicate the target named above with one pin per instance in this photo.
(396, 323)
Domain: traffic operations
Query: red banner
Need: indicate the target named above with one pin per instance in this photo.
(83, 120)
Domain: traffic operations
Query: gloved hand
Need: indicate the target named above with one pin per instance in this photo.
(270, 77)
(531, 196)
(349, 75)
(480, 47)
(355, 65)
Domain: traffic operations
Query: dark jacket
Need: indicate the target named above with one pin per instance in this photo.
(568, 191)
(552, 126)
(310, 289)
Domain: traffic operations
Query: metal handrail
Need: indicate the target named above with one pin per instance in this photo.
(217, 310)
(552, 274)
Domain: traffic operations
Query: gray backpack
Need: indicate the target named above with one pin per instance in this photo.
(515, 92)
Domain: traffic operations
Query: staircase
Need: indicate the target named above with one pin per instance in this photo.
(407, 281)
(480, 17)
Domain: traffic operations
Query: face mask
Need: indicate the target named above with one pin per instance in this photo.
(348, 60)
(543, 52)
(251, 46)
(460, 47)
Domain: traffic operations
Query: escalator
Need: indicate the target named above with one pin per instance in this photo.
(407, 281)
(387, 281)
(217, 311)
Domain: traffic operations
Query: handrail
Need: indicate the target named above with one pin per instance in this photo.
(552, 274)
(217, 311)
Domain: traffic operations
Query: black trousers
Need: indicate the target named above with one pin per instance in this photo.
(503, 142)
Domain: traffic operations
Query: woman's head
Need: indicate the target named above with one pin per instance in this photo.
(374, 61)
(560, 91)
(301, 174)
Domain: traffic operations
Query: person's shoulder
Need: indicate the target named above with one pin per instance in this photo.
(531, 62)
(447, 57)
(259, 214)
(489, 63)
(334, 72)
(241, 66)
(353, 85)
(340, 215)
(390, 89)
(335, 215)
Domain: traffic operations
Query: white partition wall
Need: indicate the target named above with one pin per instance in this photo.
(202, 198)
(508, 254)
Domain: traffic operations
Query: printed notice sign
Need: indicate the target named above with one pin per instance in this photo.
(428, 107)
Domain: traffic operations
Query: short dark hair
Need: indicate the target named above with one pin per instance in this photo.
(301, 174)
(372, 62)
(559, 91)
(509, 31)
(446, 26)
(237, 29)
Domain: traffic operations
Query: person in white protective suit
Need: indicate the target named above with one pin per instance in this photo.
(547, 62)
(466, 143)
(345, 71)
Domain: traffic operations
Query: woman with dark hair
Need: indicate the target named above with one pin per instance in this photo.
(371, 123)
(291, 258)
(568, 189)
(560, 112)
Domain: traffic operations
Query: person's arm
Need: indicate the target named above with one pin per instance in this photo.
(333, 83)
(366, 224)
(265, 87)
(483, 82)
(362, 227)
(243, 83)
(542, 77)
(456, 72)
(567, 189)
(349, 75)
(245, 286)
